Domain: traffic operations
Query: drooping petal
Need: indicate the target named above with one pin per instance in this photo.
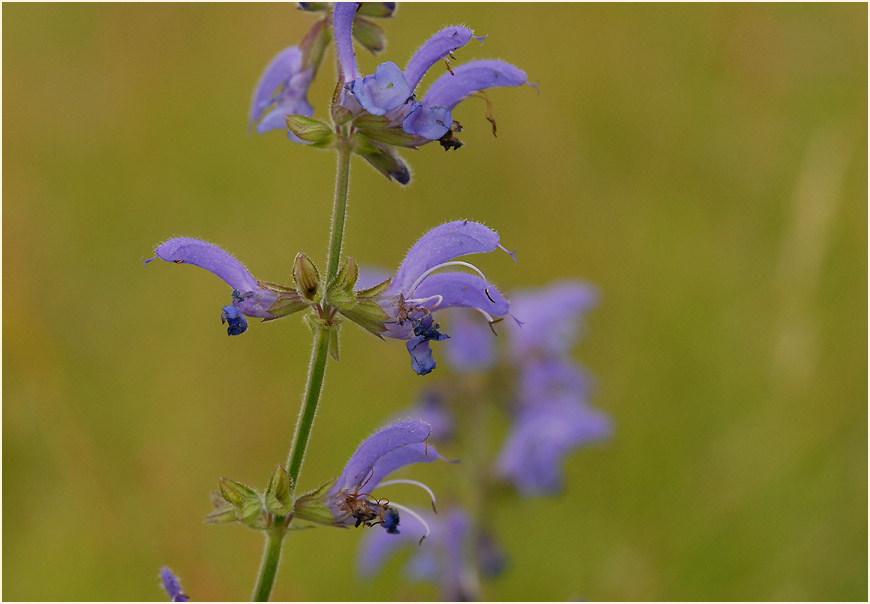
(433, 50)
(382, 91)
(342, 26)
(429, 122)
(463, 290)
(279, 72)
(450, 89)
(542, 435)
(365, 459)
(172, 586)
(292, 100)
(441, 244)
(550, 317)
(399, 458)
(236, 322)
(185, 250)
(422, 361)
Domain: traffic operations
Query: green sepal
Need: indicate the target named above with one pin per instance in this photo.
(382, 159)
(328, 329)
(310, 506)
(369, 35)
(307, 278)
(276, 287)
(367, 314)
(287, 304)
(278, 496)
(310, 130)
(313, 7)
(375, 9)
(223, 510)
(315, 43)
(375, 290)
(245, 501)
(339, 293)
(380, 129)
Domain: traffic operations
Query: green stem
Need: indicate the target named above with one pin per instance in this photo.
(314, 385)
(269, 565)
(339, 209)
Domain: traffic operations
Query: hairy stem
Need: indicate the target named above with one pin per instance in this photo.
(268, 566)
(314, 384)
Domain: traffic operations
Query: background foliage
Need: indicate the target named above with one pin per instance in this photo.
(705, 166)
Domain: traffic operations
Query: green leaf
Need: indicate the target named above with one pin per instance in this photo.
(382, 159)
(313, 131)
(375, 290)
(278, 496)
(370, 35)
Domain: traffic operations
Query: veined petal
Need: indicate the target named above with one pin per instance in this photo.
(384, 90)
(429, 122)
(441, 244)
(362, 463)
(433, 50)
(463, 290)
(285, 64)
(450, 89)
(184, 250)
(342, 26)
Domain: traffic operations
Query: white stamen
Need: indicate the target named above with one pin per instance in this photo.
(414, 482)
(422, 277)
(420, 301)
(415, 515)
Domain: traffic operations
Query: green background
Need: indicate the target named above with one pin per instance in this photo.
(704, 166)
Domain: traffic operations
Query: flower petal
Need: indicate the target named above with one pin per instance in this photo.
(541, 436)
(342, 26)
(433, 50)
(364, 460)
(172, 586)
(384, 90)
(285, 64)
(463, 290)
(471, 346)
(441, 244)
(450, 89)
(429, 122)
(210, 257)
(550, 317)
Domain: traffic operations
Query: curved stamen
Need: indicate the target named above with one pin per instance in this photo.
(512, 254)
(414, 482)
(415, 515)
(422, 277)
(420, 301)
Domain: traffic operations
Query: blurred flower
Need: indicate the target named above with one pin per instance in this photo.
(351, 499)
(443, 560)
(172, 586)
(417, 291)
(250, 297)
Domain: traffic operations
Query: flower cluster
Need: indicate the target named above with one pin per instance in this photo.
(379, 111)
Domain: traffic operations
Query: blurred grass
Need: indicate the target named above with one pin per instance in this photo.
(705, 166)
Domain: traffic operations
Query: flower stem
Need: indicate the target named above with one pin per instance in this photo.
(314, 385)
(339, 209)
(269, 565)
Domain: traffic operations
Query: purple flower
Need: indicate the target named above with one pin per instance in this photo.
(249, 296)
(551, 318)
(172, 586)
(390, 92)
(352, 500)
(442, 560)
(281, 91)
(417, 290)
(542, 435)
(472, 346)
